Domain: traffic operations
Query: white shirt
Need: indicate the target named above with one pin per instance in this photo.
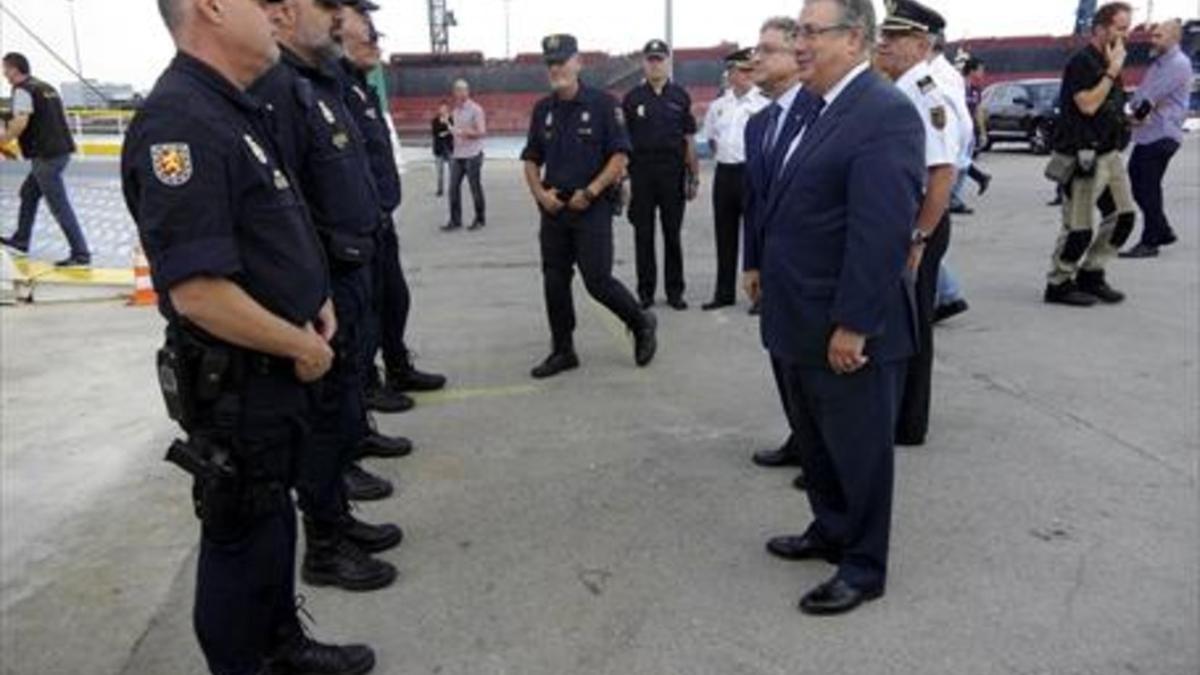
(785, 103)
(725, 123)
(830, 96)
(937, 112)
(951, 81)
(22, 102)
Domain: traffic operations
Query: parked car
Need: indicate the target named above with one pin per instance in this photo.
(1021, 111)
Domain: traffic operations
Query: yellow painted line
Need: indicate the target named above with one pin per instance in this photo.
(455, 395)
(100, 149)
(46, 273)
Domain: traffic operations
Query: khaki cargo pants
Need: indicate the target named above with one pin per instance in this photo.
(1080, 244)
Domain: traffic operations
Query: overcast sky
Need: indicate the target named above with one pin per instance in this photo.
(124, 41)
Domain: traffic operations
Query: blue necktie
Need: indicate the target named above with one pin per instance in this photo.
(772, 129)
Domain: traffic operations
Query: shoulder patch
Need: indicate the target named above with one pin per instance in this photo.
(172, 163)
(926, 84)
(937, 115)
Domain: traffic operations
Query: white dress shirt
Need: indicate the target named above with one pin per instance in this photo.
(937, 113)
(726, 120)
(952, 83)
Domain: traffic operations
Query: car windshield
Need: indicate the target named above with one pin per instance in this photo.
(1044, 94)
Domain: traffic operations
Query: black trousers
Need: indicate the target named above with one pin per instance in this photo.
(779, 371)
(339, 413)
(245, 578)
(583, 240)
(472, 168)
(392, 302)
(728, 209)
(844, 424)
(912, 423)
(658, 187)
(1147, 166)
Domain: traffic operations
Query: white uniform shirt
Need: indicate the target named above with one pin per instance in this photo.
(726, 120)
(937, 112)
(951, 81)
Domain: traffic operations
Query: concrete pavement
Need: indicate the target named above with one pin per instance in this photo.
(608, 522)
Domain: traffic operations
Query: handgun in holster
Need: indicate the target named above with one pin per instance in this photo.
(217, 494)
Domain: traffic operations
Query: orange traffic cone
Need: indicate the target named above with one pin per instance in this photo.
(143, 287)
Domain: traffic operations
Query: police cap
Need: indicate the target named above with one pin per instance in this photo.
(363, 6)
(905, 16)
(742, 59)
(559, 47)
(657, 48)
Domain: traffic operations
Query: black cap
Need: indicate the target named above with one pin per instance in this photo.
(559, 47)
(742, 58)
(656, 47)
(363, 6)
(905, 16)
(334, 3)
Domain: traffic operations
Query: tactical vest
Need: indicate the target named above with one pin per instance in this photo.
(48, 134)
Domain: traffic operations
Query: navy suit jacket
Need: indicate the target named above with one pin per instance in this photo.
(754, 179)
(837, 226)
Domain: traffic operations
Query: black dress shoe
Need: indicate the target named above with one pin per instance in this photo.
(949, 309)
(800, 483)
(716, 304)
(802, 547)
(1169, 239)
(477, 225)
(646, 303)
(909, 441)
(12, 244)
(1067, 293)
(755, 309)
(75, 261)
(303, 655)
(363, 486)
(449, 227)
(677, 304)
(554, 364)
(1092, 282)
(375, 444)
(835, 597)
(776, 458)
(387, 400)
(1140, 251)
(645, 340)
(371, 538)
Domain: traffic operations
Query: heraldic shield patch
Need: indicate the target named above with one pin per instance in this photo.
(172, 163)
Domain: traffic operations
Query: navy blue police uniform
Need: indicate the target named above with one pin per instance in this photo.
(393, 301)
(326, 151)
(573, 140)
(659, 124)
(211, 198)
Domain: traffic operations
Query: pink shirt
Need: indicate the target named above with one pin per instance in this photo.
(469, 117)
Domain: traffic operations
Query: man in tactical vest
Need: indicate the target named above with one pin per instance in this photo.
(39, 125)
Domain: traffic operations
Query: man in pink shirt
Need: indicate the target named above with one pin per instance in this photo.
(469, 127)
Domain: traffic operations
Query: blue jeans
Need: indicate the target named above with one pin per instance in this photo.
(45, 180)
(948, 289)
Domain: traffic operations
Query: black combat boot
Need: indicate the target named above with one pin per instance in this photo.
(379, 398)
(332, 559)
(375, 444)
(408, 378)
(1092, 282)
(1067, 293)
(645, 339)
(371, 538)
(364, 486)
(299, 654)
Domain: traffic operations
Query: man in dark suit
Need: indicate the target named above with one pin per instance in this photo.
(837, 225)
(777, 74)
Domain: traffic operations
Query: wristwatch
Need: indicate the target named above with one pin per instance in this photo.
(919, 238)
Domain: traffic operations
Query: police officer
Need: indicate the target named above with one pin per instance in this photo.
(326, 151)
(725, 127)
(249, 323)
(903, 54)
(360, 42)
(663, 171)
(574, 156)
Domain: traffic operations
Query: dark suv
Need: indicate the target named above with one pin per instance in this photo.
(1021, 110)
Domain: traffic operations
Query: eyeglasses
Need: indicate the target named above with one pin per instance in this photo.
(808, 31)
